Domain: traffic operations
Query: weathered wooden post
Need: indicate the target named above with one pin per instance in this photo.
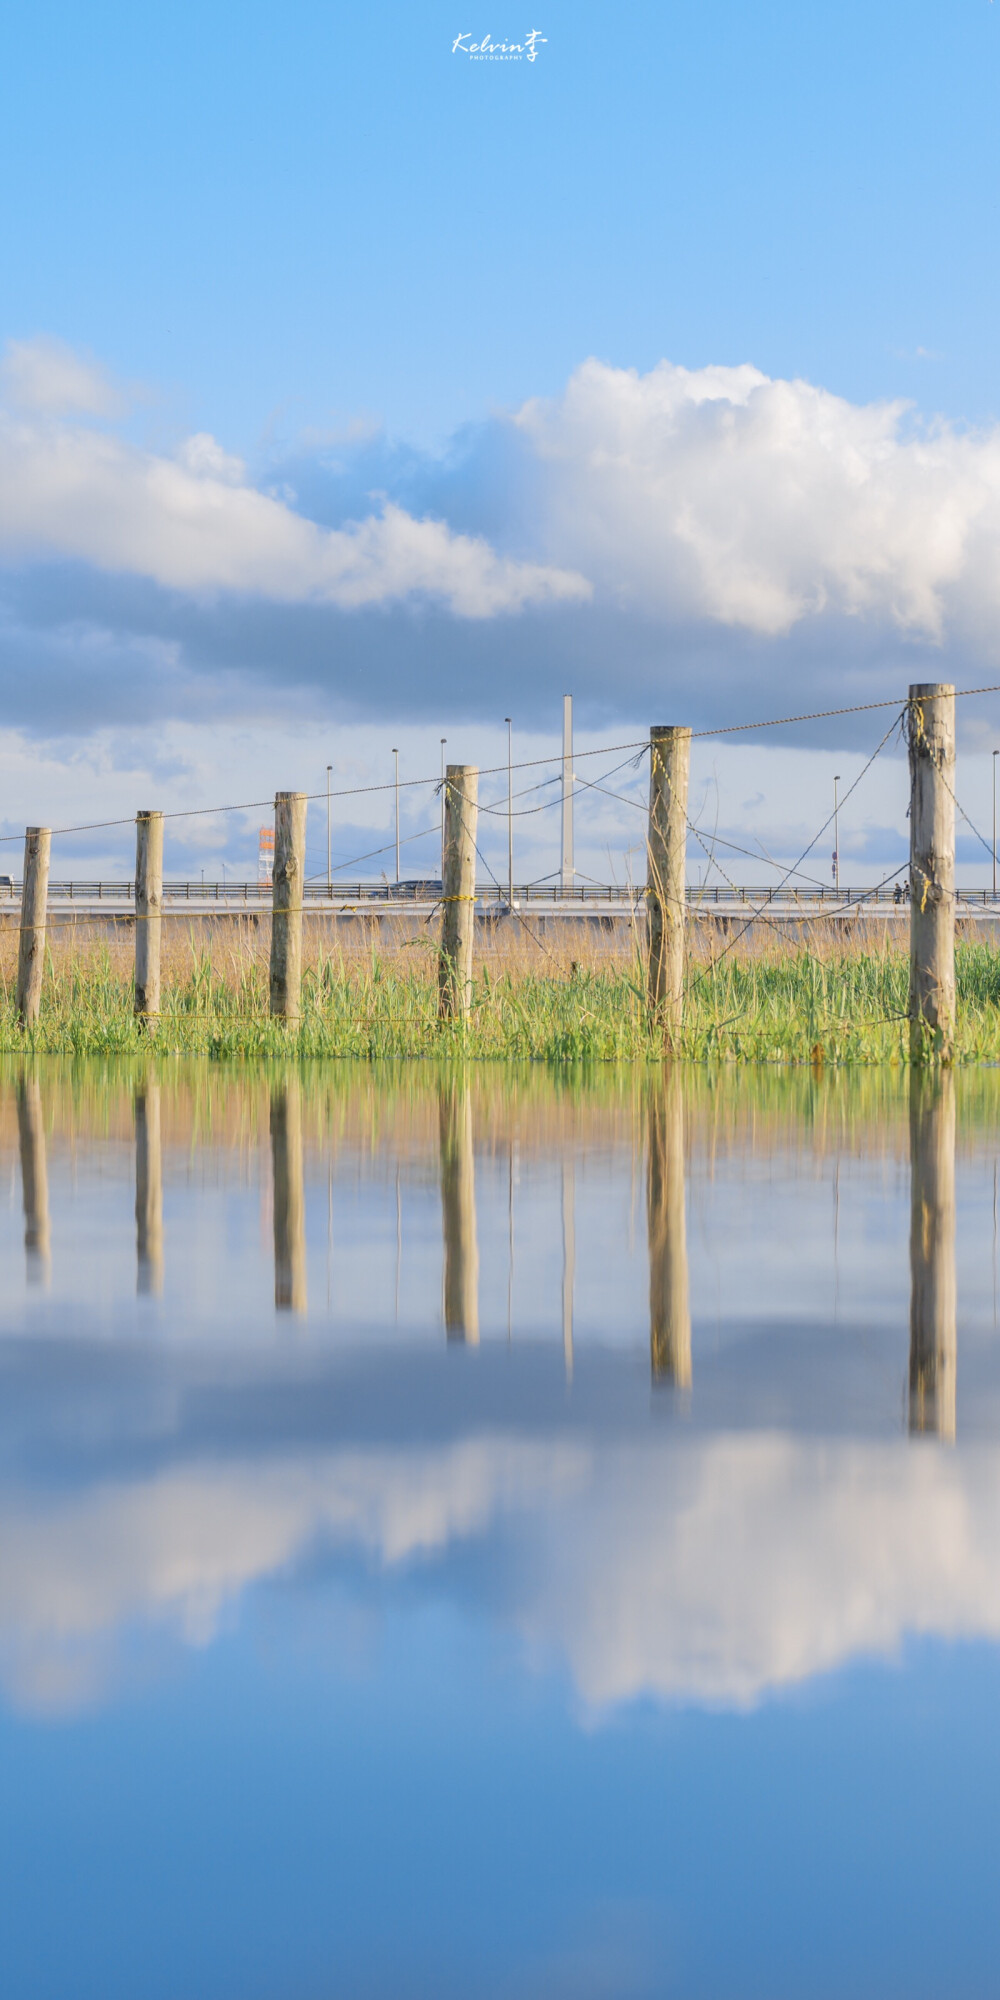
(34, 1180)
(148, 908)
(288, 884)
(931, 734)
(458, 1214)
(148, 1193)
(569, 1259)
(669, 764)
(458, 890)
(933, 1337)
(669, 1308)
(34, 901)
(289, 1196)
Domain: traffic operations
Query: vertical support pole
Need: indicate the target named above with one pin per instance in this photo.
(566, 868)
(34, 901)
(148, 908)
(286, 904)
(669, 766)
(395, 781)
(34, 1180)
(931, 734)
(510, 817)
(933, 1337)
(458, 1213)
(329, 835)
(444, 740)
(669, 1308)
(148, 1193)
(290, 1294)
(569, 1260)
(458, 891)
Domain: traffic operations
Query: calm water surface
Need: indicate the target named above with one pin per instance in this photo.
(495, 1535)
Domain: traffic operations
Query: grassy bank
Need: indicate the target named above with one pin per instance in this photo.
(767, 1002)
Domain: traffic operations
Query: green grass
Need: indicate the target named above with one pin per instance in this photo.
(844, 1008)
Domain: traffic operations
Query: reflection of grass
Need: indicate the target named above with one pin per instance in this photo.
(574, 1001)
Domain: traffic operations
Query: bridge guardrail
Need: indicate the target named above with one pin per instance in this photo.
(257, 895)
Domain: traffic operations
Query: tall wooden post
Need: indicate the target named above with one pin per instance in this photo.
(458, 1214)
(34, 1180)
(933, 1336)
(458, 890)
(288, 885)
(148, 1193)
(569, 1259)
(148, 908)
(931, 732)
(34, 900)
(289, 1197)
(669, 1307)
(669, 764)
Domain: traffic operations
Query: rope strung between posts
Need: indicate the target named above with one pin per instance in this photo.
(492, 770)
(757, 913)
(956, 802)
(806, 953)
(514, 912)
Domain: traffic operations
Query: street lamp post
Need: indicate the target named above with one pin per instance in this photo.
(444, 740)
(329, 849)
(396, 786)
(510, 819)
(836, 834)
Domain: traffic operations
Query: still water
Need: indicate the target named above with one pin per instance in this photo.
(492, 1534)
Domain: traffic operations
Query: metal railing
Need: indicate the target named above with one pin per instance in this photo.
(120, 892)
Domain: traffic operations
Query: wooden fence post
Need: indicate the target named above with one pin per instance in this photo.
(458, 1213)
(148, 907)
(288, 1196)
(34, 900)
(933, 1335)
(458, 890)
(34, 1180)
(931, 733)
(669, 1307)
(669, 764)
(148, 1193)
(288, 884)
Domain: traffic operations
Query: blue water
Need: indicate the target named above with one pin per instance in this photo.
(338, 1657)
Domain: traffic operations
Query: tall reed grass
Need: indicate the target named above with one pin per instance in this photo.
(577, 999)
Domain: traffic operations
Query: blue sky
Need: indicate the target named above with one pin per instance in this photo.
(318, 276)
(287, 217)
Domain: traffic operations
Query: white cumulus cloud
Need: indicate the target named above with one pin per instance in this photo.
(714, 496)
(193, 522)
(718, 1571)
(45, 375)
(721, 494)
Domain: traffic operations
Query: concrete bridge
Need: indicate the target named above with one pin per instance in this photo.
(605, 906)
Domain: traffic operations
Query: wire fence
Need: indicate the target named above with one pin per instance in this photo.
(796, 891)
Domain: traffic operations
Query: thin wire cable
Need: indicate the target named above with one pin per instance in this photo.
(373, 852)
(734, 941)
(492, 770)
(511, 908)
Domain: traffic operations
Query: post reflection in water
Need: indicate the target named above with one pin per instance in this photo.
(34, 1180)
(569, 1259)
(458, 1212)
(669, 1308)
(290, 1293)
(148, 1193)
(933, 1339)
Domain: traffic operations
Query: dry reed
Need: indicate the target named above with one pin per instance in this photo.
(570, 992)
